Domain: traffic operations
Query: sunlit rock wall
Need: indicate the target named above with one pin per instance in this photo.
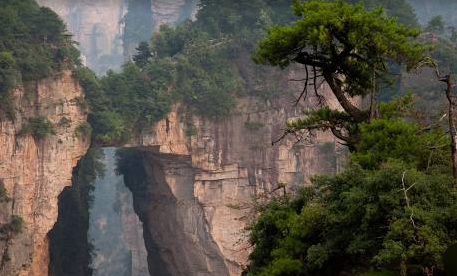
(201, 186)
(34, 172)
(172, 11)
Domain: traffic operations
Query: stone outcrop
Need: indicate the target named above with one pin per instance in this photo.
(172, 11)
(98, 28)
(35, 171)
(132, 230)
(203, 179)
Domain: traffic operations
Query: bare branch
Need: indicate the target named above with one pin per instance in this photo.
(286, 132)
(304, 93)
(405, 191)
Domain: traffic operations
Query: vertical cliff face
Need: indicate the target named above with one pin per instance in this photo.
(156, 13)
(172, 11)
(35, 171)
(132, 232)
(203, 179)
(97, 26)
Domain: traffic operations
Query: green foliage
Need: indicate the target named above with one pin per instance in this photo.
(3, 193)
(7, 81)
(358, 220)
(350, 47)
(392, 212)
(367, 40)
(399, 9)
(384, 139)
(436, 25)
(11, 228)
(84, 129)
(65, 122)
(109, 128)
(143, 54)
(38, 127)
(33, 45)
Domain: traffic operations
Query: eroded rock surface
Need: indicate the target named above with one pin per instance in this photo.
(201, 186)
(98, 28)
(35, 171)
(172, 11)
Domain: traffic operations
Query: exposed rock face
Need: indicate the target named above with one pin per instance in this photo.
(35, 171)
(172, 11)
(97, 26)
(132, 232)
(201, 188)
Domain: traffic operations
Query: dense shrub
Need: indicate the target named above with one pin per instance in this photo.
(387, 213)
(39, 128)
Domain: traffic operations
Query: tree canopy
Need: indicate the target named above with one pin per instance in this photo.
(391, 211)
(349, 48)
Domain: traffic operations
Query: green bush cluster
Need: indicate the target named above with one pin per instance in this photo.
(3, 193)
(38, 127)
(362, 220)
(11, 228)
(393, 211)
(83, 129)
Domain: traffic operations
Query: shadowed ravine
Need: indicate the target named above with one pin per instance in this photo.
(114, 229)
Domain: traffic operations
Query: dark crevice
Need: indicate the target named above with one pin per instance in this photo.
(70, 250)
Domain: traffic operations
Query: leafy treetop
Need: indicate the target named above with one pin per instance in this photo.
(346, 45)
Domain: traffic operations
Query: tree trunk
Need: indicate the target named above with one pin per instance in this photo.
(337, 90)
(452, 127)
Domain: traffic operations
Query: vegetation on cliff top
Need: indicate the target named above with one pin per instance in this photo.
(34, 44)
(202, 64)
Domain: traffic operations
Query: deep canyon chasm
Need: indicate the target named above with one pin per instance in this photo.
(196, 193)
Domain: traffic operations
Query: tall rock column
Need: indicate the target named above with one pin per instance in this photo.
(97, 26)
(34, 170)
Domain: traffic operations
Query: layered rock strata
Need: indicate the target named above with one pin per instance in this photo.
(34, 170)
(98, 28)
(204, 178)
(172, 11)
